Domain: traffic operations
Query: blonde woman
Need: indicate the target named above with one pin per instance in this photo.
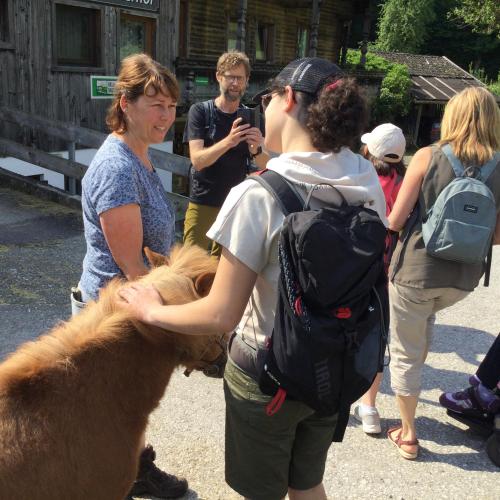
(421, 285)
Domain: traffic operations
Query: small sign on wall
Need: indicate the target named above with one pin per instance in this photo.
(151, 5)
(102, 87)
(201, 80)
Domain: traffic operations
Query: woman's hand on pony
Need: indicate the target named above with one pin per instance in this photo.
(140, 300)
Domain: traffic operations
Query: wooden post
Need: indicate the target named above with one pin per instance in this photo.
(242, 21)
(346, 35)
(417, 124)
(70, 182)
(367, 21)
(313, 39)
(188, 92)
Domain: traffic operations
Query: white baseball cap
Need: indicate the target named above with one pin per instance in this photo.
(386, 142)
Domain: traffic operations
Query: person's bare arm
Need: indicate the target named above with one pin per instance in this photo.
(220, 311)
(122, 228)
(410, 188)
(202, 157)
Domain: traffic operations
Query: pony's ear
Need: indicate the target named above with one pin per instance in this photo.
(203, 283)
(155, 259)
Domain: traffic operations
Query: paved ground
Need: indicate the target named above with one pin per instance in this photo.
(41, 249)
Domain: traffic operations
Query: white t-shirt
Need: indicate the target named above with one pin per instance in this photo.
(249, 222)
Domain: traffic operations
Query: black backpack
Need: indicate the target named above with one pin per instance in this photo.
(331, 323)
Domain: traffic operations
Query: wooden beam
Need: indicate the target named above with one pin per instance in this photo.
(79, 135)
(62, 130)
(42, 159)
(170, 162)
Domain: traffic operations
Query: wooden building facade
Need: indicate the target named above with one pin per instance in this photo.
(49, 49)
(270, 32)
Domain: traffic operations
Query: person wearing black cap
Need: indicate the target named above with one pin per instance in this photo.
(313, 117)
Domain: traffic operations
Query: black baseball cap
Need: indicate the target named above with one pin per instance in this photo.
(308, 75)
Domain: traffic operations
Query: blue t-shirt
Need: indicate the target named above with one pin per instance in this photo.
(116, 177)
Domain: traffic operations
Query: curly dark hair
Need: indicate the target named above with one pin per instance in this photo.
(338, 117)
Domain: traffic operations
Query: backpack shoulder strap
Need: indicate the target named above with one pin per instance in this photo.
(485, 171)
(282, 191)
(489, 167)
(455, 163)
(209, 109)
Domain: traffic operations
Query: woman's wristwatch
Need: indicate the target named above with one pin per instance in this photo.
(257, 153)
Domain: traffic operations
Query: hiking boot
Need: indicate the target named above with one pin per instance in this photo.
(473, 401)
(153, 481)
(369, 418)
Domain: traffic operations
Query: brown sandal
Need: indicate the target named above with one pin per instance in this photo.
(398, 442)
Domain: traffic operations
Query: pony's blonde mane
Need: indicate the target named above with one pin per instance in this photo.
(104, 322)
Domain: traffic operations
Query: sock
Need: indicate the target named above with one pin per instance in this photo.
(366, 408)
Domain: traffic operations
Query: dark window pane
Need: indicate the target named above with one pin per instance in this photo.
(264, 42)
(4, 21)
(132, 37)
(232, 34)
(78, 36)
(136, 35)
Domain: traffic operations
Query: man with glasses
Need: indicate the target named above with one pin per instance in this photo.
(221, 148)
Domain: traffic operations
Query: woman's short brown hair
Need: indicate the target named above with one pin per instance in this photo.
(139, 73)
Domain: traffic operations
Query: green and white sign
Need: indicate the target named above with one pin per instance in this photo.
(102, 87)
(201, 80)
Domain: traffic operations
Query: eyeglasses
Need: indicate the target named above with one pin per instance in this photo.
(234, 78)
(265, 100)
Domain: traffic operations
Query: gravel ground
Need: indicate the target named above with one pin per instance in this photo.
(41, 249)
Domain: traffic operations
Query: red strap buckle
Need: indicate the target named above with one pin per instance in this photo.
(297, 305)
(275, 404)
(342, 312)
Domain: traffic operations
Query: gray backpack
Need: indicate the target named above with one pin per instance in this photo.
(460, 224)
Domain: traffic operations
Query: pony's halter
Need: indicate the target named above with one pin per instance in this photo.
(214, 368)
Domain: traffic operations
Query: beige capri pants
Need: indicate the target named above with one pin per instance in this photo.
(412, 318)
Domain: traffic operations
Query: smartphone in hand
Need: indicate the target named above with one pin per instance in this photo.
(250, 116)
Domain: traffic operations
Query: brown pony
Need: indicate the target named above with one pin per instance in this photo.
(75, 403)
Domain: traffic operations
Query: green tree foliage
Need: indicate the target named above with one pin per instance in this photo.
(455, 40)
(373, 62)
(493, 85)
(403, 25)
(394, 98)
(483, 16)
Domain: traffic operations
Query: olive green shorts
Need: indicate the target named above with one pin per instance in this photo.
(267, 455)
(199, 219)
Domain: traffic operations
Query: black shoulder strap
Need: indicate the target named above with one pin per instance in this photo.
(209, 108)
(283, 192)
